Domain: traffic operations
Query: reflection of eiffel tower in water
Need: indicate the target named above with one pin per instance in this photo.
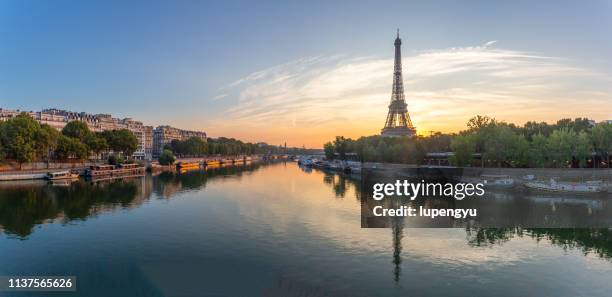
(397, 227)
(398, 120)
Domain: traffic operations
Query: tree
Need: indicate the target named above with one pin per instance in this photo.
(530, 129)
(538, 149)
(504, 146)
(46, 141)
(341, 146)
(582, 148)
(464, 147)
(196, 146)
(18, 138)
(95, 143)
(121, 141)
(69, 147)
(76, 129)
(166, 158)
(329, 149)
(479, 122)
(115, 160)
(561, 146)
(601, 137)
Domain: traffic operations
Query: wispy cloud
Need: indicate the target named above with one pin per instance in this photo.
(349, 95)
(220, 96)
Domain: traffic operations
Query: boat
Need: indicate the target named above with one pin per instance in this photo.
(188, 165)
(567, 187)
(212, 162)
(97, 171)
(305, 161)
(491, 180)
(61, 175)
(321, 164)
(338, 165)
(355, 167)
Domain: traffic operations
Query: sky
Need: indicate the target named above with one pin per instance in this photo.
(304, 72)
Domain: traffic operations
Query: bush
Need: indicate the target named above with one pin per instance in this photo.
(115, 160)
(166, 158)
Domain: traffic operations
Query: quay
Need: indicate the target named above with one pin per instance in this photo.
(96, 170)
(22, 176)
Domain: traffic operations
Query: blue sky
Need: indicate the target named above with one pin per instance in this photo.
(236, 68)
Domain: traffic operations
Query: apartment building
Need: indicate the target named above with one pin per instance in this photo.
(58, 119)
(163, 135)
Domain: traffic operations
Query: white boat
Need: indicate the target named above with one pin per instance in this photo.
(61, 175)
(568, 187)
(491, 180)
(497, 180)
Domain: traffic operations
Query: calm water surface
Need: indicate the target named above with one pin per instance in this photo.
(273, 230)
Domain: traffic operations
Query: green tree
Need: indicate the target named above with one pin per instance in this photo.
(538, 150)
(115, 160)
(561, 146)
(464, 147)
(601, 137)
(18, 138)
(504, 146)
(46, 141)
(69, 147)
(341, 146)
(196, 146)
(95, 143)
(76, 129)
(122, 141)
(329, 149)
(166, 158)
(582, 148)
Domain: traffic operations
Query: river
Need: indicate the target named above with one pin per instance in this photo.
(273, 230)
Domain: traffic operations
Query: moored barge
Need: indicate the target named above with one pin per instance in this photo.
(112, 170)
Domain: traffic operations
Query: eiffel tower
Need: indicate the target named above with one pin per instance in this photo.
(398, 121)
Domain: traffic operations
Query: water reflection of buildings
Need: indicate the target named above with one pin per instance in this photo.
(23, 205)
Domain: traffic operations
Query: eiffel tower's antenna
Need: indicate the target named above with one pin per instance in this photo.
(398, 121)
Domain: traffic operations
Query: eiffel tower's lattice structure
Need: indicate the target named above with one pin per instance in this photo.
(398, 120)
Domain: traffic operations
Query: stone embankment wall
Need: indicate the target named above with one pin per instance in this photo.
(6, 168)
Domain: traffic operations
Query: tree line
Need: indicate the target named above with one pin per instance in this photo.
(24, 140)
(568, 143)
(198, 147)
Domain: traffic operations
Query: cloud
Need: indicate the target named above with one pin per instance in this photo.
(444, 88)
(220, 96)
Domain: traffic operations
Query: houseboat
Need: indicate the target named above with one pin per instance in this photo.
(188, 165)
(567, 187)
(498, 181)
(491, 180)
(111, 170)
(212, 162)
(61, 175)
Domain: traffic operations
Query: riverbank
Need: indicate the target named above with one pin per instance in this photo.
(13, 171)
(518, 175)
(563, 173)
(37, 167)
